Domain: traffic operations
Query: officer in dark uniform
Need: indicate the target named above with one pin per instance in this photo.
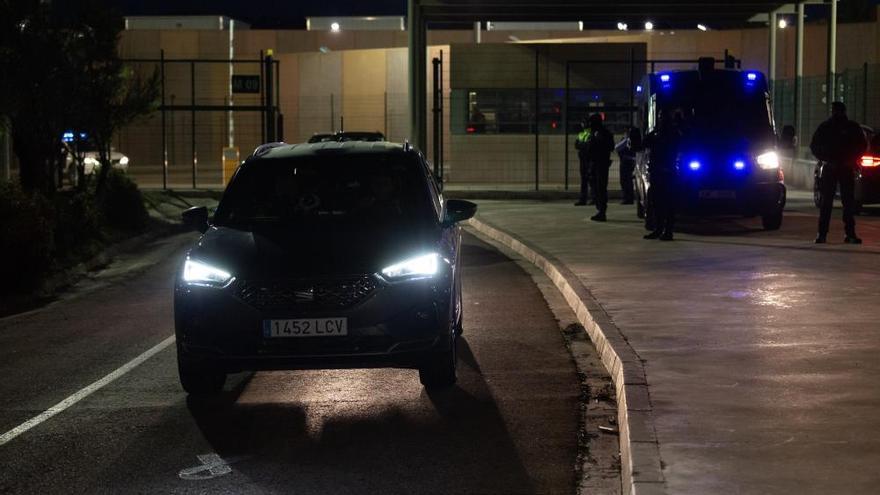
(599, 147)
(840, 143)
(580, 143)
(663, 143)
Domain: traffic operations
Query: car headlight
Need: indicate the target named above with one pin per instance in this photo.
(123, 161)
(768, 160)
(199, 273)
(418, 267)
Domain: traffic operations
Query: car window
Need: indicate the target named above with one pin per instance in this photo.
(436, 196)
(335, 191)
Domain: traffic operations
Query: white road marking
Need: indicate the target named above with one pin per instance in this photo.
(85, 392)
(212, 466)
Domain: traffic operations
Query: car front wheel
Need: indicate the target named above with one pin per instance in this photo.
(199, 378)
(438, 371)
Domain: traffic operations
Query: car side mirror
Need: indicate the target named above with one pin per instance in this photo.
(196, 218)
(458, 210)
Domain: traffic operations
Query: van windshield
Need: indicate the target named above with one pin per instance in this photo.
(720, 107)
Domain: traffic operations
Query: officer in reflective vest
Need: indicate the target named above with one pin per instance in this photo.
(580, 143)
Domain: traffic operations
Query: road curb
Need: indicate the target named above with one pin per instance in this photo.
(641, 468)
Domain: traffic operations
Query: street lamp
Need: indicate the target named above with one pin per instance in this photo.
(649, 26)
(334, 27)
(702, 27)
(783, 23)
(621, 26)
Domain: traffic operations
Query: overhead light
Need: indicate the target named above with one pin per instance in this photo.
(702, 27)
(334, 27)
(649, 26)
(621, 26)
(783, 23)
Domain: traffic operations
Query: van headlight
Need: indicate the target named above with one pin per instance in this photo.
(768, 160)
(418, 267)
(201, 273)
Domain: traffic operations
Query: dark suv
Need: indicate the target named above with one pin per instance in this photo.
(327, 255)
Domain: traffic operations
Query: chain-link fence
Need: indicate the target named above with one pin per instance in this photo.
(858, 88)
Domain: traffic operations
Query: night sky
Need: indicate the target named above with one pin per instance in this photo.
(288, 14)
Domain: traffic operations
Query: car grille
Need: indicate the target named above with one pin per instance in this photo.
(307, 294)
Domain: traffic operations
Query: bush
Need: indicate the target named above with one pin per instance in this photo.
(77, 225)
(122, 203)
(26, 237)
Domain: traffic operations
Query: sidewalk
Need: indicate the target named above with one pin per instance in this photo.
(760, 348)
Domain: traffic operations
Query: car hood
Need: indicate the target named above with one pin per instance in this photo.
(285, 252)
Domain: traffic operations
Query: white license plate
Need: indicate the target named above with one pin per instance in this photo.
(715, 194)
(306, 327)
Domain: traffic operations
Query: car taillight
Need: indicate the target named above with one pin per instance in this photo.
(870, 161)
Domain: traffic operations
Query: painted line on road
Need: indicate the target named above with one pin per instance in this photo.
(85, 392)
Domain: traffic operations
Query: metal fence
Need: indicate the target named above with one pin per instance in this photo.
(859, 88)
(182, 144)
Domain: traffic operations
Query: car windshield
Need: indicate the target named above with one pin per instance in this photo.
(354, 191)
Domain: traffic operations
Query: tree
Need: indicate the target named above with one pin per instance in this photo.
(59, 70)
(35, 80)
(111, 94)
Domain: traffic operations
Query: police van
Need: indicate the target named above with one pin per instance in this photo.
(728, 162)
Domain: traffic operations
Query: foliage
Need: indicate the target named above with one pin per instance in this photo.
(77, 226)
(59, 70)
(122, 203)
(26, 237)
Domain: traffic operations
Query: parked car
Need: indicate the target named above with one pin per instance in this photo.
(867, 190)
(91, 161)
(324, 255)
(728, 162)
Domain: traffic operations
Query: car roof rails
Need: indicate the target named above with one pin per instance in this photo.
(265, 148)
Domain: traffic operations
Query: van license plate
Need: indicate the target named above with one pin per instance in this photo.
(716, 194)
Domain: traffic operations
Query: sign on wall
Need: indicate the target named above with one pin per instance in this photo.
(245, 84)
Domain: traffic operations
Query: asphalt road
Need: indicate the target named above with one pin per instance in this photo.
(510, 425)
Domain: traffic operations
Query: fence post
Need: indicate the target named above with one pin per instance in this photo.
(270, 97)
(537, 115)
(865, 93)
(162, 107)
(565, 119)
(435, 62)
(192, 122)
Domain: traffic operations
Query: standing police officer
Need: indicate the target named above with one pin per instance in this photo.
(839, 142)
(599, 147)
(580, 143)
(664, 143)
